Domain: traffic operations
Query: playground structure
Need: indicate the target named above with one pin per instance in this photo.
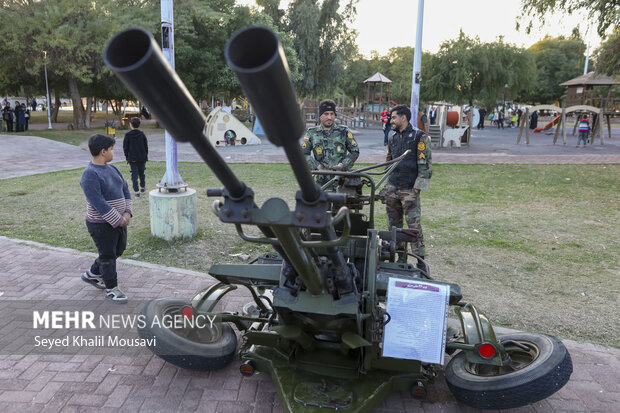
(224, 129)
(560, 122)
(377, 96)
(453, 126)
(581, 99)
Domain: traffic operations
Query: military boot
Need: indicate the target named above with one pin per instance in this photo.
(421, 264)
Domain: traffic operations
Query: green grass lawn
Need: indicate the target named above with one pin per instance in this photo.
(78, 137)
(67, 116)
(72, 137)
(534, 246)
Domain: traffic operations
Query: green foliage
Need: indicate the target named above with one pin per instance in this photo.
(605, 13)
(396, 66)
(323, 42)
(465, 70)
(558, 59)
(607, 56)
(272, 9)
(74, 32)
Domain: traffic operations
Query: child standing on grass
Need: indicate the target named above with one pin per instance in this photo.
(584, 130)
(108, 213)
(136, 149)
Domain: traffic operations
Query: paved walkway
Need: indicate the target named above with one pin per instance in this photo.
(24, 155)
(144, 383)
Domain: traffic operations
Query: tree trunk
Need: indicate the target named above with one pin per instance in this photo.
(115, 109)
(89, 107)
(78, 108)
(57, 104)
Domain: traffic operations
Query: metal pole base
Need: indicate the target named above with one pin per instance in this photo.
(173, 214)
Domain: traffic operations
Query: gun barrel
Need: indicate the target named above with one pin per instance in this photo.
(256, 56)
(138, 61)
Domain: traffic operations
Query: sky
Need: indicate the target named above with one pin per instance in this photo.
(382, 24)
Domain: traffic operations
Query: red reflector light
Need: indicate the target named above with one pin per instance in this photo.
(486, 350)
(247, 368)
(418, 391)
(187, 312)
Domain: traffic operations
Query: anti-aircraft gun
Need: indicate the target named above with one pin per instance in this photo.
(320, 313)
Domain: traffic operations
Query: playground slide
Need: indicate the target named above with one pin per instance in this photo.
(553, 122)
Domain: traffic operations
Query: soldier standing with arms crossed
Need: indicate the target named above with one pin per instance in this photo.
(402, 192)
(329, 146)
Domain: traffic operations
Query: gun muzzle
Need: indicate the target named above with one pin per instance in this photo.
(256, 56)
(138, 61)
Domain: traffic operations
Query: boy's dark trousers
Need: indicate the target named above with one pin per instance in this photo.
(111, 243)
(9, 125)
(137, 171)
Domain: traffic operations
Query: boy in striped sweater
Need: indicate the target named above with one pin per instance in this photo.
(108, 213)
(584, 129)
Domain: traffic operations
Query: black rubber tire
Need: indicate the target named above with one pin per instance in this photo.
(543, 370)
(182, 347)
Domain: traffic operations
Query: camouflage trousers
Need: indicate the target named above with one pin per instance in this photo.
(407, 203)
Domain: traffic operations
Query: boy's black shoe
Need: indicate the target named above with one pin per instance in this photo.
(141, 190)
(96, 282)
(137, 194)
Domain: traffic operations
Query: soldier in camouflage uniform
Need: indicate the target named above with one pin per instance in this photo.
(329, 146)
(402, 191)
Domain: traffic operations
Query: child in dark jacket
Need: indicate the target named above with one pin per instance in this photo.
(136, 149)
(584, 130)
(108, 213)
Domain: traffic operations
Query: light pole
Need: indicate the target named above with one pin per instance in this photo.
(174, 214)
(505, 94)
(417, 64)
(172, 180)
(47, 90)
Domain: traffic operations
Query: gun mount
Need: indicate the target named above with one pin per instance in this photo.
(318, 316)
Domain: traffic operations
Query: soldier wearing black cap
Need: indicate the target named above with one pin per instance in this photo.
(329, 146)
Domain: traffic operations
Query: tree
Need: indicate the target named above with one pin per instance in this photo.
(466, 70)
(605, 12)
(202, 29)
(322, 40)
(607, 56)
(558, 59)
(397, 65)
(272, 9)
(72, 32)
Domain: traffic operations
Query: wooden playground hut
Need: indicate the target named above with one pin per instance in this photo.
(580, 98)
(371, 85)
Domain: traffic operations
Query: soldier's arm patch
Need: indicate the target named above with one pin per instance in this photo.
(319, 150)
(422, 156)
(350, 135)
(304, 145)
(421, 146)
(353, 142)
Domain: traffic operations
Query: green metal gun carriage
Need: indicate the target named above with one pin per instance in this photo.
(318, 317)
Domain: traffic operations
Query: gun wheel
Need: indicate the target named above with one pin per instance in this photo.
(202, 347)
(540, 366)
